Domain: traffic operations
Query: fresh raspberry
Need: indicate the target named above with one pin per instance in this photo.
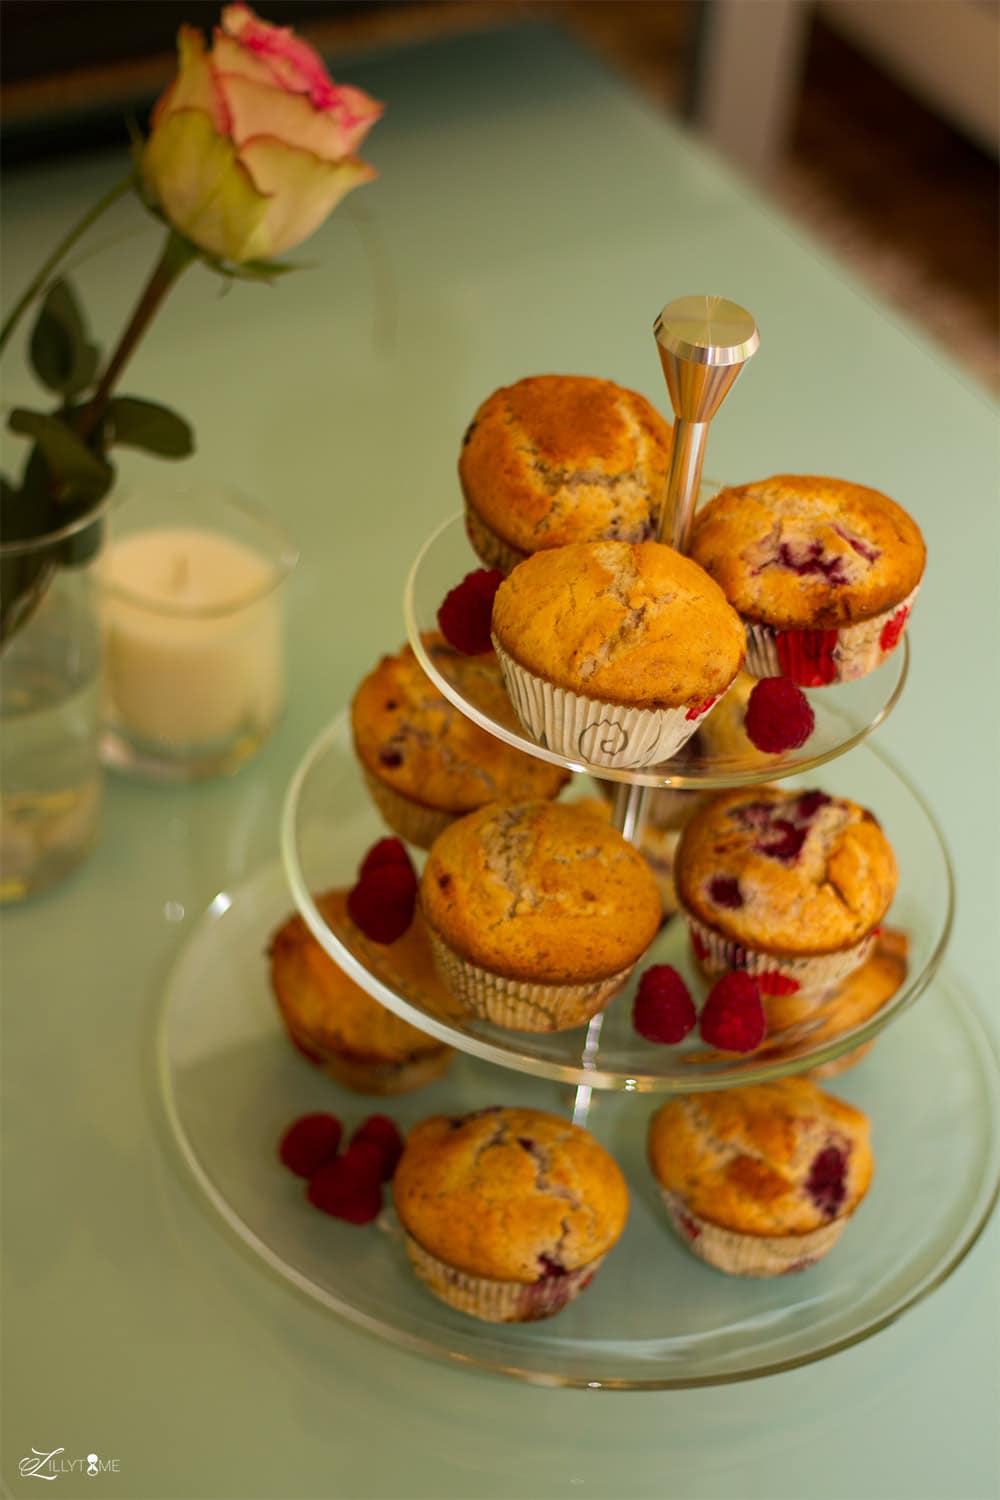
(732, 1017)
(778, 716)
(826, 1183)
(346, 1189)
(310, 1142)
(366, 1159)
(385, 852)
(381, 1132)
(467, 612)
(663, 1010)
(383, 904)
(725, 891)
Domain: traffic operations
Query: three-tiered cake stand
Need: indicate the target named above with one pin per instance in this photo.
(655, 1317)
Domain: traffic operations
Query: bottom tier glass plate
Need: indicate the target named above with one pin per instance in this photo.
(655, 1316)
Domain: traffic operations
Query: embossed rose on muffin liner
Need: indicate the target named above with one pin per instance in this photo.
(755, 1255)
(776, 974)
(817, 658)
(499, 1301)
(520, 1004)
(589, 730)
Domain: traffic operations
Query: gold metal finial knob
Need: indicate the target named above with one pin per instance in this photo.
(703, 344)
(707, 331)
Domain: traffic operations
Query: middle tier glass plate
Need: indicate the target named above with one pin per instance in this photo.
(329, 823)
(845, 712)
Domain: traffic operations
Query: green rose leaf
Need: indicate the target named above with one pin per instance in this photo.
(77, 475)
(62, 356)
(132, 423)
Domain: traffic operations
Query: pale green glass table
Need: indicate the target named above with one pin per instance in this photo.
(531, 215)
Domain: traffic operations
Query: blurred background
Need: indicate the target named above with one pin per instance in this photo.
(874, 123)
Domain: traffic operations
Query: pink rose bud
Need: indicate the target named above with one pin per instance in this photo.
(252, 144)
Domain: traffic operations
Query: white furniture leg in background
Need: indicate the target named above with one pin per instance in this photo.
(748, 70)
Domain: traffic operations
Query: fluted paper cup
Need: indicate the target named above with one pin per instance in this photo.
(490, 548)
(413, 822)
(749, 1254)
(776, 974)
(600, 734)
(498, 1301)
(816, 658)
(517, 1003)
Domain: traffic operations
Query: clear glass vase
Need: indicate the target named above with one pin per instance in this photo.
(50, 691)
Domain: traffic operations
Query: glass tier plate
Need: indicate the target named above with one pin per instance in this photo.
(655, 1316)
(329, 822)
(845, 713)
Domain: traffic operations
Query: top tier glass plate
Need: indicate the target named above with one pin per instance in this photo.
(845, 712)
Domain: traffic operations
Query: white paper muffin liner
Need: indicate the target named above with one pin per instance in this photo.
(416, 824)
(498, 1301)
(372, 1075)
(517, 1003)
(816, 658)
(600, 734)
(811, 976)
(750, 1254)
(492, 550)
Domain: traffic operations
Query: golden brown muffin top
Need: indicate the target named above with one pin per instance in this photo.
(509, 1194)
(410, 736)
(777, 1158)
(540, 891)
(565, 458)
(798, 551)
(622, 623)
(793, 873)
(323, 1004)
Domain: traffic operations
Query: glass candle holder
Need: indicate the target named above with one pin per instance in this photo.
(50, 775)
(192, 619)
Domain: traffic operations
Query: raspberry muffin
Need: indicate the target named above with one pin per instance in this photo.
(424, 762)
(508, 1213)
(612, 652)
(337, 1025)
(561, 458)
(537, 913)
(795, 1024)
(760, 1181)
(789, 885)
(823, 572)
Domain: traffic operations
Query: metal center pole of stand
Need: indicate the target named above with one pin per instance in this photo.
(703, 344)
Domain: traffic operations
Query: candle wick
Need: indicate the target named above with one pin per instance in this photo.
(179, 578)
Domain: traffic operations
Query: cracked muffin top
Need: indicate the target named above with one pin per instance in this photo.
(540, 891)
(320, 1001)
(410, 736)
(798, 551)
(565, 458)
(775, 1159)
(509, 1194)
(790, 873)
(631, 624)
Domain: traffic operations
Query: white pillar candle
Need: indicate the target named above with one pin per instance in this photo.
(192, 636)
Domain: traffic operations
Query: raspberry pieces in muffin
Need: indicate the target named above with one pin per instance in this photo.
(789, 885)
(823, 572)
